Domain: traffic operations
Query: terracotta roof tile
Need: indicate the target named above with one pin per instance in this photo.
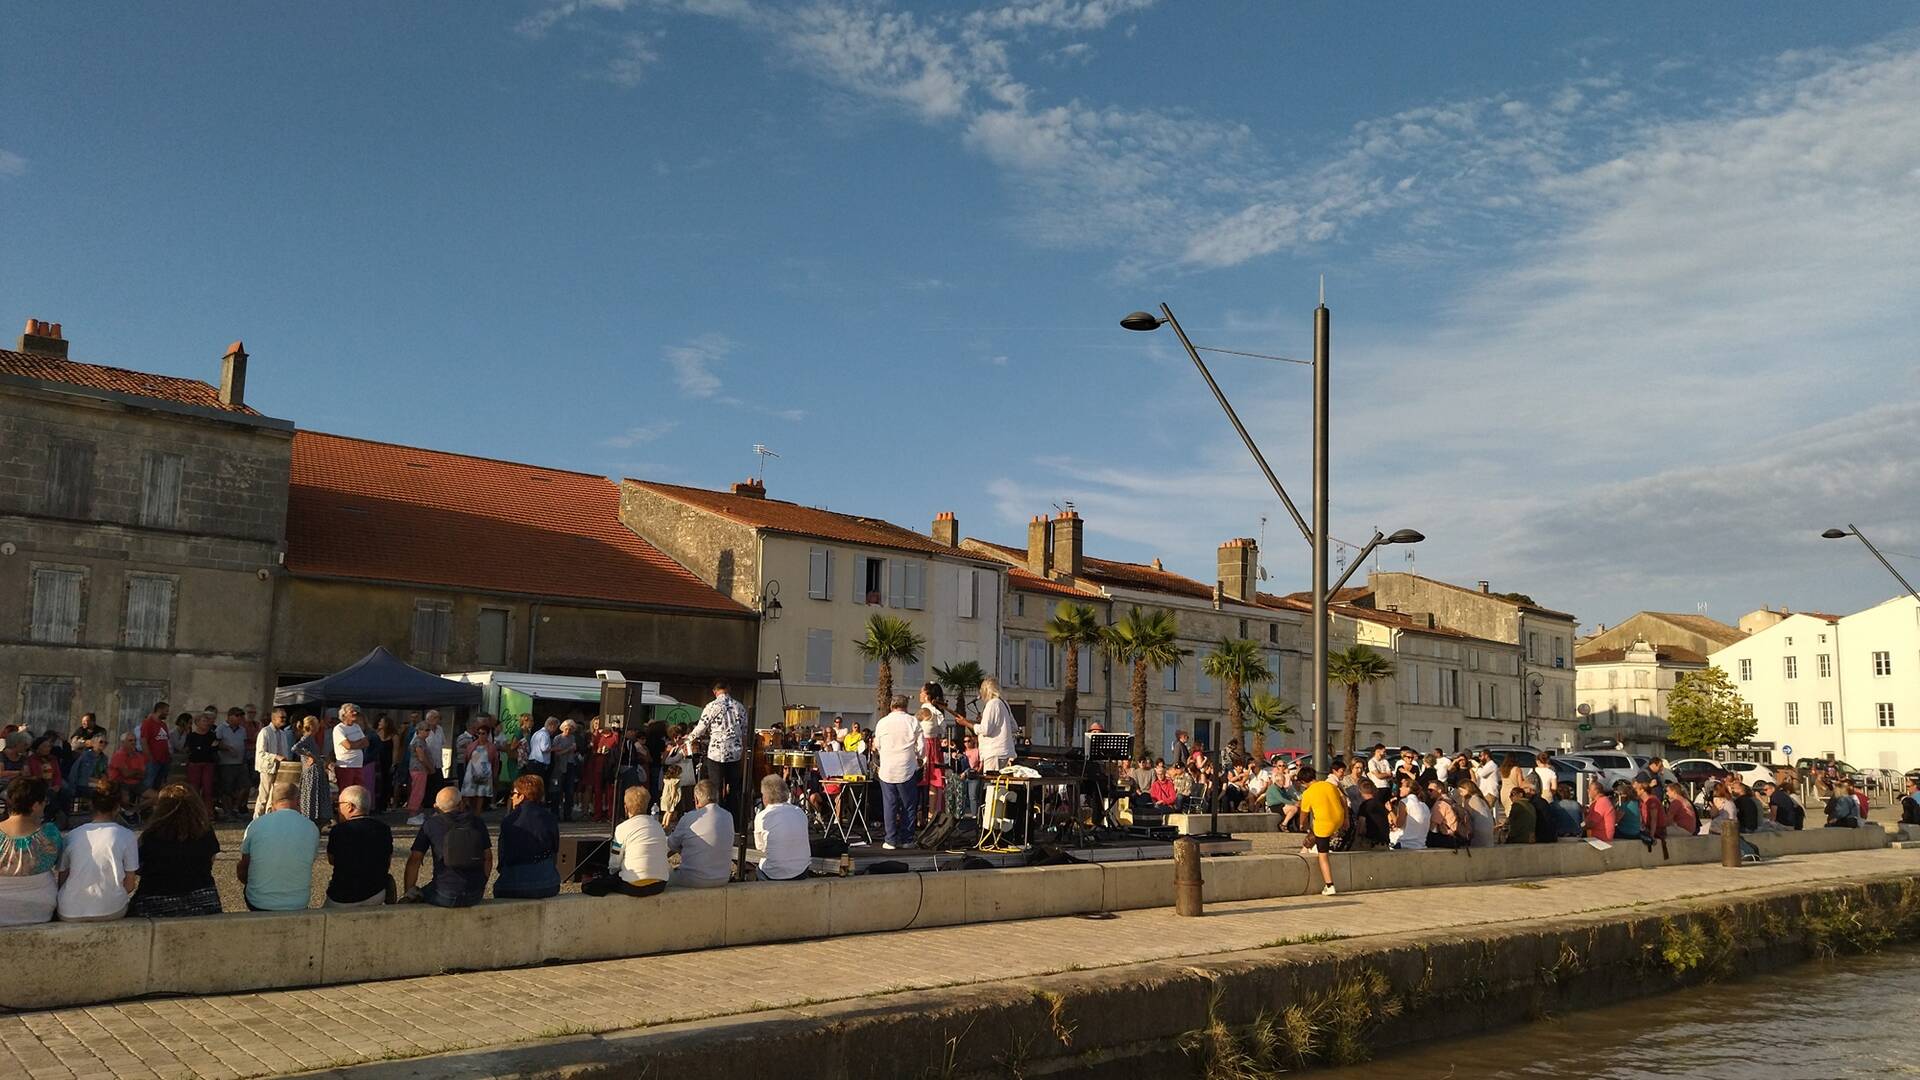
(776, 515)
(1028, 581)
(386, 512)
(1401, 620)
(119, 380)
(1124, 575)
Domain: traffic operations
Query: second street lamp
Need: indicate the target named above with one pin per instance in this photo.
(1841, 534)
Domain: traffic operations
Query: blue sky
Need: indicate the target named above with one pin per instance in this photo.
(1624, 297)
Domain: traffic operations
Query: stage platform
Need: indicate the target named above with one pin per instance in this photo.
(1130, 849)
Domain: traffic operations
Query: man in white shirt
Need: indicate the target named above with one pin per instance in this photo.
(1442, 765)
(994, 729)
(540, 749)
(1379, 768)
(1486, 774)
(780, 832)
(349, 744)
(639, 858)
(704, 840)
(272, 746)
(896, 742)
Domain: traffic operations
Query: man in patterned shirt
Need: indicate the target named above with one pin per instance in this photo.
(724, 724)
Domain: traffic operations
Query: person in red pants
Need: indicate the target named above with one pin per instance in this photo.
(603, 743)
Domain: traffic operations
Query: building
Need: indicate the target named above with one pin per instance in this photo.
(1180, 697)
(1693, 633)
(141, 523)
(818, 575)
(459, 563)
(1625, 690)
(1545, 638)
(1824, 685)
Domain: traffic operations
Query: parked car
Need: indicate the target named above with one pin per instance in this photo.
(1813, 765)
(1579, 773)
(1612, 764)
(1695, 772)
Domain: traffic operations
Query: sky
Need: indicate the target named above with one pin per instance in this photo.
(1625, 299)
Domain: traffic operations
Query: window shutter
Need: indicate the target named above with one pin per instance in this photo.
(1037, 674)
(916, 577)
(1086, 669)
(442, 632)
(896, 582)
(819, 656)
(817, 577)
(149, 612)
(48, 704)
(160, 489)
(56, 606)
(70, 479)
(860, 578)
(969, 593)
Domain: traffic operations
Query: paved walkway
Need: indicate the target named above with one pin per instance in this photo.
(293, 1030)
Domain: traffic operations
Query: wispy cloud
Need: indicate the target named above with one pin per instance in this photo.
(693, 364)
(638, 436)
(12, 164)
(634, 58)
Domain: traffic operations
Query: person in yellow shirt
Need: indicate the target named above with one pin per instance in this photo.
(1324, 807)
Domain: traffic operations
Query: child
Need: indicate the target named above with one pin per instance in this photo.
(669, 797)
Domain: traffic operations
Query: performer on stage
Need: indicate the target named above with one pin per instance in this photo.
(934, 717)
(995, 728)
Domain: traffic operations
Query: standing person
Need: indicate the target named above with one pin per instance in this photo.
(638, 863)
(896, 739)
(1546, 780)
(100, 868)
(462, 855)
(1379, 767)
(476, 777)
(1486, 777)
(724, 724)
(360, 850)
(424, 761)
(316, 791)
(349, 748)
(704, 840)
(540, 752)
(203, 759)
(387, 737)
(230, 780)
(602, 763)
(529, 844)
(30, 853)
(177, 848)
(780, 833)
(1179, 750)
(154, 742)
(276, 854)
(566, 762)
(89, 766)
(995, 728)
(1324, 806)
(372, 777)
(513, 747)
(272, 746)
(933, 717)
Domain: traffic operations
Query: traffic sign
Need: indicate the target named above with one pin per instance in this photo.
(1586, 727)
(1788, 750)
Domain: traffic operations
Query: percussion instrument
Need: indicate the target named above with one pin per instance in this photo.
(793, 759)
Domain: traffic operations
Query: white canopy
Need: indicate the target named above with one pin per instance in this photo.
(557, 687)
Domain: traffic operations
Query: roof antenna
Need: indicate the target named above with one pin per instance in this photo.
(761, 449)
(1260, 552)
(1323, 290)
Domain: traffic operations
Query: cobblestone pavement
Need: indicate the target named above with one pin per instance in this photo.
(270, 1033)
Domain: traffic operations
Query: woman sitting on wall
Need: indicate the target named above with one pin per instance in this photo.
(29, 855)
(176, 858)
(529, 842)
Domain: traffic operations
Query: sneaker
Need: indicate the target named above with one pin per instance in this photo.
(889, 847)
(417, 819)
(1328, 891)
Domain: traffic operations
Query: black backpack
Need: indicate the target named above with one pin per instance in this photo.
(466, 844)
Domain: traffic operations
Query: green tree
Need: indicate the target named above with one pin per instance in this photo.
(1073, 626)
(962, 677)
(1353, 668)
(1238, 663)
(1704, 711)
(889, 638)
(1149, 641)
(1266, 714)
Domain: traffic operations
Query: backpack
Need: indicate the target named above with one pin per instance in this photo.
(466, 845)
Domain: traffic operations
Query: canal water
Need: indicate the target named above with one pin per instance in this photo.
(1854, 1018)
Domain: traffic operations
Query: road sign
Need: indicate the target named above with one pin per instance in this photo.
(1788, 750)
(1586, 727)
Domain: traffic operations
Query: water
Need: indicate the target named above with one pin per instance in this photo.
(1853, 1017)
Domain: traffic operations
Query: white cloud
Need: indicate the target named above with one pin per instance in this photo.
(882, 54)
(630, 63)
(693, 364)
(1056, 15)
(537, 24)
(637, 436)
(12, 164)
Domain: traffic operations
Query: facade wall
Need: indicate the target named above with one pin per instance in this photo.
(1445, 691)
(719, 551)
(1628, 697)
(1649, 626)
(188, 509)
(1872, 684)
(1035, 692)
(1759, 670)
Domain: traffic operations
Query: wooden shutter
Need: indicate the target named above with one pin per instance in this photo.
(819, 581)
(916, 577)
(819, 656)
(160, 489)
(56, 606)
(47, 703)
(70, 479)
(896, 582)
(969, 593)
(149, 619)
(860, 578)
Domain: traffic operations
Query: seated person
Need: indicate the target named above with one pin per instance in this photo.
(638, 862)
(704, 839)
(1376, 827)
(360, 850)
(1567, 815)
(529, 844)
(1626, 812)
(100, 866)
(1681, 817)
(780, 832)
(276, 855)
(1522, 825)
(1786, 810)
(1164, 795)
(462, 854)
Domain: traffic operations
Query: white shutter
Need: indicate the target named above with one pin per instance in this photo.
(969, 593)
(818, 577)
(1037, 673)
(860, 578)
(896, 582)
(916, 591)
(1086, 669)
(149, 620)
(819, 656)
(56, 606)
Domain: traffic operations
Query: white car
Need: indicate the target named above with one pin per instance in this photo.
(1750, 772)
(1610, 764)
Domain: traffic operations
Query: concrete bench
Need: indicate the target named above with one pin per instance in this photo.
(1193, 824)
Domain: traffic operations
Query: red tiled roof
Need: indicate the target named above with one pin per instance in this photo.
(119, 380)
(1665, 654)
(1124, 575)
(1028, 581)
(386, 512)
(776, 515)
(1711, 629)
(1401, 620)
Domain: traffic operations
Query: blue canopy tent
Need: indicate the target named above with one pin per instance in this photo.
(380, 680)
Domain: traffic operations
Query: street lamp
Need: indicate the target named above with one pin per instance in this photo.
(1316, 534)
(1534, 682)
(1838, 534)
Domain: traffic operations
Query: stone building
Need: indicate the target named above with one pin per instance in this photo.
(1625, 691)
(1694, 633)
(460, 563)
(141, 523)
(817, 575)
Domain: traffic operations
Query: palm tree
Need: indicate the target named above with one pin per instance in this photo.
(1353, 668)
(1073, 626)
(1238, 663)
(962, 677)
(1266, 712)
(889, 638)
(1149, 641)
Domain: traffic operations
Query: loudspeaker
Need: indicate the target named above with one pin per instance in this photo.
(582, 856)
(614, 700)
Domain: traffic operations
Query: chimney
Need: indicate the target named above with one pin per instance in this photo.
(1239, 575)
(43, 338)
(1039, 554)
(946, 529)
(1157, 566)
(1069, 543)
(750, 489)
(233, 376)
(1485, 586)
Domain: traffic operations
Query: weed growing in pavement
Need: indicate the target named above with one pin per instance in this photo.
(1225, 1054)
(1840, 924)
(1302, 939)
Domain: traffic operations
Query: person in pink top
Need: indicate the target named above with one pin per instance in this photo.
(1679, 811)
(1600, 816)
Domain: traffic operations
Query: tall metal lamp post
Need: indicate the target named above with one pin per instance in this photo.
(1838, 534)
(1316, 534)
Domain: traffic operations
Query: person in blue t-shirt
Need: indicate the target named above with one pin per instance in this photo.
(276, 855)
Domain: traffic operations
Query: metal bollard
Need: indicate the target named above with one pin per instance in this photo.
(1186, 876)
(1730, 844)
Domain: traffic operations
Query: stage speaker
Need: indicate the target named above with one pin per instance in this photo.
(582, 856)
(615, 697)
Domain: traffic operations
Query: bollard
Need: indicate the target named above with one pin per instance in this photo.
(1730, 844)
(1186, 876)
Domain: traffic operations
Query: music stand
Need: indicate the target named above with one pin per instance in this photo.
(847, 770)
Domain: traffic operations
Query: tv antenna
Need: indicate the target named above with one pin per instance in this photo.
(1260, 553)
(761, 449)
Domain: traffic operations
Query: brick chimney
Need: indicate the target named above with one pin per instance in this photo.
(946, 529)
(233, 376)
(43, 338)
(1485, 586)
(1069, 543)
(1239, 575)
(1039, 553)
(751, 489)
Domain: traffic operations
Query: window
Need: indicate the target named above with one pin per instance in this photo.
(1450, 688)
(969, 593)
(1273, 633)
(1169, 723)
(869, 580)
(1273, 669)
(1883, 713)
(1746, 671)
(1789, 642)
(432, 627)
(1243, 628)
(1038, 668)
(1086, 669)
(819, 656)
(1009, 661)
(1559, 651)
(1560, 702)
(1533, 646)
(1170, 677)
(70, 478)
(1792, 665)
(1825, 663)
(46, 702)
(57, 598)
(1613, 680)
(1493, 703)
(1642, 680)
(149, 618)
(913, 574)
(136, 700)
(1019, 603)
(1882, 663)
(1793, 713)
(490, 636)
(160, 489)
(820, 573)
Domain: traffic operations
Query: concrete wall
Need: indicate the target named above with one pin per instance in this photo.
(719, 551)
(251, 951)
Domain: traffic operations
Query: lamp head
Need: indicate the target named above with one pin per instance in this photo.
(1830, 534)
(1141, 320)
(1406, 536)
